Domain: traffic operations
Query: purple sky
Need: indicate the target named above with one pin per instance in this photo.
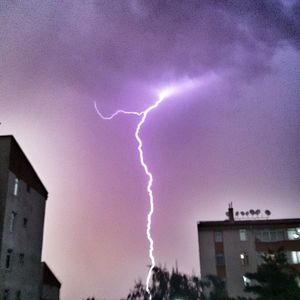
(236, 138)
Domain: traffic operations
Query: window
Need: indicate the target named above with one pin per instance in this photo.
(28, 188)
(293, 233)
(21, 258)
(8, 259)
(6, 295)
(270, 235)
(244, 258)
(218, 236)
(220, 259)
(266, 236)
(12, 221)
(280, 235)
(247, 281)
(16, 186)
(25, 222)
(18, 295)
(273, 235)
(295, 257)
(243, 235)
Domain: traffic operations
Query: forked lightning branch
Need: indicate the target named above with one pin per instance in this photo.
(166, 93)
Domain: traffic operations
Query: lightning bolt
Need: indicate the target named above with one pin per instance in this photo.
(166, 93)
(144, 114)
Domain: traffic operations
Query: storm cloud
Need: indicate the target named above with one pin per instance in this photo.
(93, 45)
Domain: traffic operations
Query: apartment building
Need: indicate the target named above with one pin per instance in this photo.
(22, 209)
(233, 247)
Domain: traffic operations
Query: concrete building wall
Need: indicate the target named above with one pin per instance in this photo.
(207, 253)
(21, 224)
(50, 292)
(24, 239)
(235, 266)
(4, 162)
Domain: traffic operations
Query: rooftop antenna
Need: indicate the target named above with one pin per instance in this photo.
(176, 266)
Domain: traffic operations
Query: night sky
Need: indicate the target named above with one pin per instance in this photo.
(234, 137)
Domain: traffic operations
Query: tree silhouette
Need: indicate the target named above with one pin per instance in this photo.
(167, 286)
(217, 288)
(275, 279)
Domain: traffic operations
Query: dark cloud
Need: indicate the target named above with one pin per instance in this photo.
(96, 45)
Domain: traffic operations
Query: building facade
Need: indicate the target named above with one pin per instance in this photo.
(50, 286)
(233, 247)
(22, 210)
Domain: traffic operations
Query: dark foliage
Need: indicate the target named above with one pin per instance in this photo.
(167, 286)
(275, 279)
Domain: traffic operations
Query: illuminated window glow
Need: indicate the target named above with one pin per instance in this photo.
(243, 235)
(293, 233)
(16, 187)
(244, 258)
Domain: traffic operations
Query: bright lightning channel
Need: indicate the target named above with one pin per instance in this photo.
(164, 94)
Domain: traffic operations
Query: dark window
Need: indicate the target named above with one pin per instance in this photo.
(273, 235)
(8, 259)
(21, 258)
(6, 295)
(12, 221)
(25, 221)
(28, 188)
(218, 236)
(220, 259)
(18, 295)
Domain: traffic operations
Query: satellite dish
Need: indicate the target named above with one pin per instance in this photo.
(267, 212)
(227, 214)
(236, 213)
(257, 212)
(242, 213)
(252, 212)
(247, 213)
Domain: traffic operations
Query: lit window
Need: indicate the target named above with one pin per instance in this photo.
(12, 221)
(220, 259)
(218, 236)
(16, 186)
(295, 257)
(293, 233)
(21, 258)
(244, 258)
(8, 259)
(247, 281)
(243, 235)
